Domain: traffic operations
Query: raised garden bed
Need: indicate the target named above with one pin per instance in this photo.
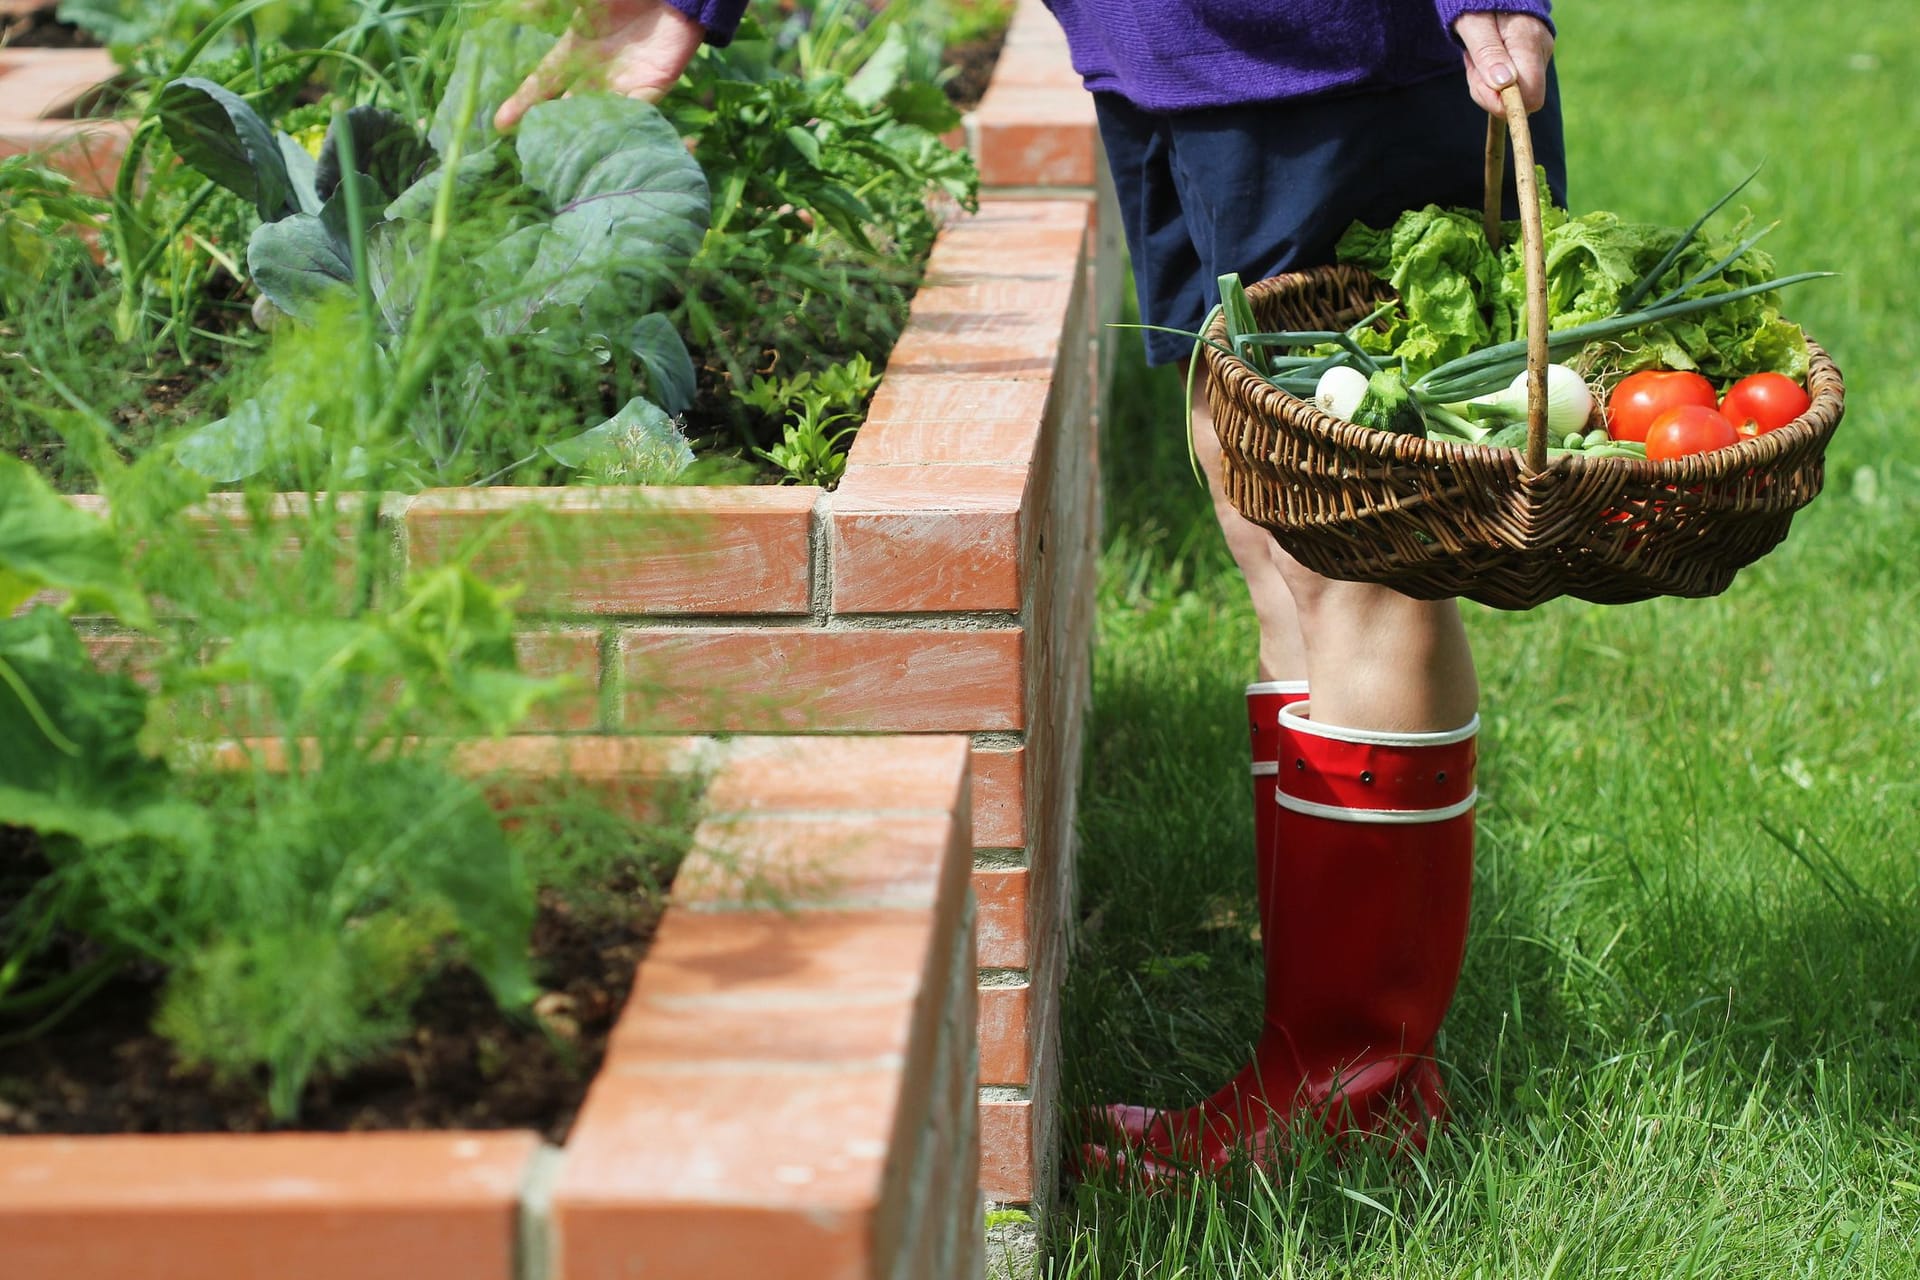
(944, 587)
(788, 1092)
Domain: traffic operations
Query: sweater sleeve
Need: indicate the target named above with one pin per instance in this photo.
(719, 17)
(1450, 11)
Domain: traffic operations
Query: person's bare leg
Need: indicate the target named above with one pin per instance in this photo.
(1283, 656)
(1374, 659)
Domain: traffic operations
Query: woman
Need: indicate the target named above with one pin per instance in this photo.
(1246, 137)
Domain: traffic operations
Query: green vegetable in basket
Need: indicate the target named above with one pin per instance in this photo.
(1459, 295)
(1238, 313)
(1389, 406)
(1569, 402)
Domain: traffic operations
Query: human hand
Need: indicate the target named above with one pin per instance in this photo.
(1503, 47)
(633, 47)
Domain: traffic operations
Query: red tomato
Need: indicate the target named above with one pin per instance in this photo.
(1763, 402)
(1688, 428)
(1641, 397)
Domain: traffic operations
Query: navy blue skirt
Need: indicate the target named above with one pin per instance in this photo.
(1271, 187)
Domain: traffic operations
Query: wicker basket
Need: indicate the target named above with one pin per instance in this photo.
(1508, 528)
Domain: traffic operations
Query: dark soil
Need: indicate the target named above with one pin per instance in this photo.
(40, 30)
(974, 61)
(467, 1065)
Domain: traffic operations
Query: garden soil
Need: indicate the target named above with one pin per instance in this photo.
(20, 29)
(973, 62)
(466, 1066)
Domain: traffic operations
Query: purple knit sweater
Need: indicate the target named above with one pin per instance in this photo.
(1176, 55)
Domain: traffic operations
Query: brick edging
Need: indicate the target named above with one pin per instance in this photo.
(798, 1075)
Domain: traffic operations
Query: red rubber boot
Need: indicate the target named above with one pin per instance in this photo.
(1152, 1128)
(1365, 892)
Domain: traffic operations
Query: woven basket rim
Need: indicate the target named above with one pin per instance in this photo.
(1817, 424)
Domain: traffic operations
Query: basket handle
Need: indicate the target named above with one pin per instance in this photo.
(1532, 252)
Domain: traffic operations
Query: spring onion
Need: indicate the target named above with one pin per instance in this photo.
(1339, 391)
(1569, 401)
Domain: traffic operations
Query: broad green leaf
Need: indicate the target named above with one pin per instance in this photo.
(394, 268)
(670, 373)
(302, 171)
(505, 268)
(805, 143)
(216, 132)
(627, 196)
(638, 445)
(845, 213)
(880, 74)
(69, 754)
(300, 263)
(298, 661)
(924, 106)
(385, 149)
(259, 435)
(47, 542)
(466, 860)
(475, 169)
(495, 56)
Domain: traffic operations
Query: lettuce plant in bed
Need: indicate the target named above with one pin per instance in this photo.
(465, 281)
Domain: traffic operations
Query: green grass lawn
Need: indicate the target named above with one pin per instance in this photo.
(1687, 1038)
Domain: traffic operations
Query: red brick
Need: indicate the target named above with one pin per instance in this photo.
(700, 1035)
(39, 87)
(1027, 350)
(999, 797)
(917, 419)
(1027, 137)
(1034, 64)
(719, 549)
(753, 679)
(643, 779)
(573, 652)
(929, 539)
(773, 959)
(1006, 1055)
(374, 1206)
(600, 757)
(1024, 241)
(245, 561)
(1003, 295)
(1002, 927)
(823, 864)
(750, 1175)
(88, 151)
(46, 84)
(123, 653)
(813, 773)
(1006, 1151)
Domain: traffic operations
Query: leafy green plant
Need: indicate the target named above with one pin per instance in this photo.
(375, 291)
(41, 216)
(298, 891)
(810, 405)
(128, 27)
(601, 200)
(828, 192)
